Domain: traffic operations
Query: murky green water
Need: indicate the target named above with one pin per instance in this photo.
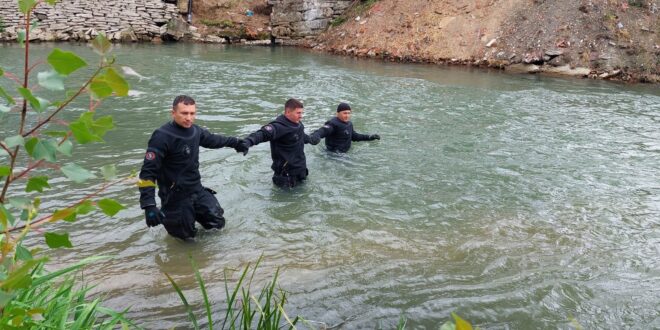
(519, 202)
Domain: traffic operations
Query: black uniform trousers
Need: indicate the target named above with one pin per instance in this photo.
(183, 208)
(288, 181)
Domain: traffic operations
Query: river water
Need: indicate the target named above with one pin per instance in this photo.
(518, 202)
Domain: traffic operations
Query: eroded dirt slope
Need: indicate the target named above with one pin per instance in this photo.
(608, 39)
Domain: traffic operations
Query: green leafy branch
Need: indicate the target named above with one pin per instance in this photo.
(23, 285)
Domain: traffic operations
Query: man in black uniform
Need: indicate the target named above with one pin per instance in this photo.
(338, 131)
(287, 145)
(172, 161)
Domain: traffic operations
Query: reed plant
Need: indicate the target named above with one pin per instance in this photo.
(244, 309)
(53, 300)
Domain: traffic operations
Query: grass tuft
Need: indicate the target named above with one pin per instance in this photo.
(244, 309)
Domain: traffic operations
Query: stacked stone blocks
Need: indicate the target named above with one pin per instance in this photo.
(127, 20)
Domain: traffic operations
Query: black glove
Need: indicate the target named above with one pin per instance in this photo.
(153, 216)
(314, 139)
(242, 146)
(374, 137)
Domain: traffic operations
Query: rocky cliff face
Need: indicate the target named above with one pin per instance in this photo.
(294, 19)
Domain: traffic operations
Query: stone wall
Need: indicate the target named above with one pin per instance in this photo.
(296, 19)
(127, 20)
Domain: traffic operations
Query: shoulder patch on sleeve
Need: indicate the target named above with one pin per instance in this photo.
(150, 155)
(269, 128)
(326, 126)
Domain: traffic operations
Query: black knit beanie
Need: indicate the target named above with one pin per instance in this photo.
(343, 107)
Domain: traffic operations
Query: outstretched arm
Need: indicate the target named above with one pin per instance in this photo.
(215, 141)
(355, 136)
(265, 133)
(320, 133)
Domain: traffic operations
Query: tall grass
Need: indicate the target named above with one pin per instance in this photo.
(244, 310)
(53, 300)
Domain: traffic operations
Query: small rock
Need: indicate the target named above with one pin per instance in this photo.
(492, 43)
(606, 75)
(557, 61)
(554, 52)
(523, 68)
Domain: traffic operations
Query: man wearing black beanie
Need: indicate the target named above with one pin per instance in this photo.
(338, 131)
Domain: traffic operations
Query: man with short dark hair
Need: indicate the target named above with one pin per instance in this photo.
(338, 131)
(172, 162)
(287, 145)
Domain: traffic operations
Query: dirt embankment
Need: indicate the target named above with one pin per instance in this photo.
(600, 39)
(607, 39)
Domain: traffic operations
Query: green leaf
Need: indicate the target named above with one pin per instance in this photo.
(145, 183)
(87, 130)
(100, 88)
(109, 172)
(22, 253)
(66, 148)
(103, 125)
(26, 5)
(6, 218)
(51, 2)
(62, 214)
(85, 207)
(5, 297)
(65, 62)
(60, 134)
(71, 217)
(449, 325)
(460, 323)
(20, 277)
(34, 102)
(82, 133)
(77, 173)
(2, 72)
(109, 206)
(51, 80)
(100, 44)
(20, 37)
(13, 141)
(41, 149)
(55, 240)
(6, 96)
(19, 202)
(5, 170)
(37, 183)
(117, 82)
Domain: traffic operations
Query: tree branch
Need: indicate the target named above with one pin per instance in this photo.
(63, 105)
(8, 179)
(5, 147)
(13, 78)
(38, 163)
(37, 223)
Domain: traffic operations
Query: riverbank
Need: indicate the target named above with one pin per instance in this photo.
(604, 40)
(613, 41)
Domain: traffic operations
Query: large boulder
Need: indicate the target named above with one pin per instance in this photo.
(177, 29)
